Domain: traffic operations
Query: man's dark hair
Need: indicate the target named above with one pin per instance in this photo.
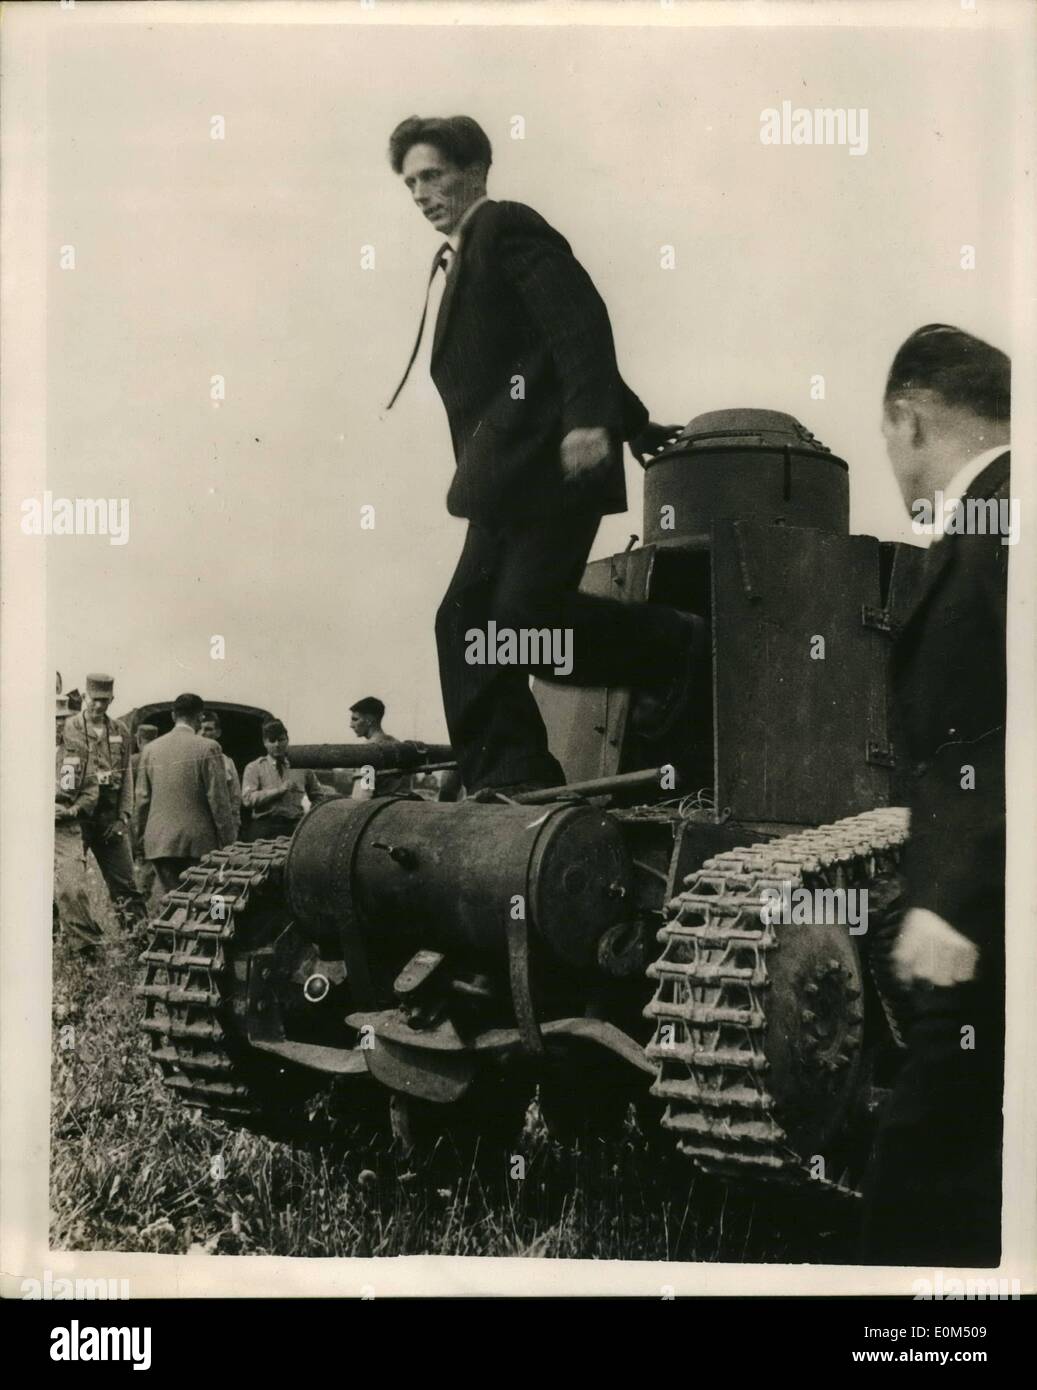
(457, 138)
(273, 728)
(188, 706)
(962, 370)
(209, 716)
(370, 704)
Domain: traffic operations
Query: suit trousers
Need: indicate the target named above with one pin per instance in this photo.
(116, 864)
(168, 871)
(526, 575)
(270, 828)
(70, 894)
(147, 881)
(932, 1193)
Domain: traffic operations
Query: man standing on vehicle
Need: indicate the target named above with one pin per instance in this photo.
(523, 358)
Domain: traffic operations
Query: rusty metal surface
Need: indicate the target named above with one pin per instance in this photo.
(762, 1048)
(447, 876)
(522, 1003)
(336, 1061)
(758, 465)
(792, 733)
(597, 786)
(438, 1076)
(503, 1042)
(318, 883)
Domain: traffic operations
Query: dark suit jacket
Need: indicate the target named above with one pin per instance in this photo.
(949, 687)
(183, 806)
(517, 303)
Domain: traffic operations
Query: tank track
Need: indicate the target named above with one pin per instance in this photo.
(184, 989)
(712, 1069)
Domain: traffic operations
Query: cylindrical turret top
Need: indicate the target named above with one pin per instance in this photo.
(753, 465)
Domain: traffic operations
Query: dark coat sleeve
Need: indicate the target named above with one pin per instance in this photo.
(955, 860)
(560, 299)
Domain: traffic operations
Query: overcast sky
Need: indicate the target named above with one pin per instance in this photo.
(241, 258)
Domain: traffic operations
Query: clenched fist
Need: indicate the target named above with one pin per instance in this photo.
(930, 951)
(584, 451)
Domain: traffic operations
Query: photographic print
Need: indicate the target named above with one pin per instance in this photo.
(513, 509)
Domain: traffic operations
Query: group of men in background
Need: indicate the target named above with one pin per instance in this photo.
(151, 812)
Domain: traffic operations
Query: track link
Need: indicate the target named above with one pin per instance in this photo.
(710, 1007)
(188, 977)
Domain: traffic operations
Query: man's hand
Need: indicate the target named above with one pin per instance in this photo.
(62, 812)
(930, 951)
(584, 451)
(652, 439)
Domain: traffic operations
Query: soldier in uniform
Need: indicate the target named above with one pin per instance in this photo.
(75, 798)
(104, 746)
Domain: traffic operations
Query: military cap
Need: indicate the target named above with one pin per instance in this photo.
(100, 685)
(63, 708)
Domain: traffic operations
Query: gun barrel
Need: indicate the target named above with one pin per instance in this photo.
(406, 755)
(598, 786)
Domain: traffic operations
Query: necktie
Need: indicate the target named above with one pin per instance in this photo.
(280, 764)
(442, 260)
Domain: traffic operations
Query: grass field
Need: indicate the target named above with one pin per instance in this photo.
(133, 1169)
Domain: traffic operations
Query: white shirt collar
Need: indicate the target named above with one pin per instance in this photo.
(947, 499)
(970, 471)
(455, 236)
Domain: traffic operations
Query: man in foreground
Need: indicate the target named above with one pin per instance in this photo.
(933, 1192)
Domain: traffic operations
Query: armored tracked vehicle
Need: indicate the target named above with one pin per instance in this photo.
(629, 937)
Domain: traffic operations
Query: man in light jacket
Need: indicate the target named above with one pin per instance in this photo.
(182, 808)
